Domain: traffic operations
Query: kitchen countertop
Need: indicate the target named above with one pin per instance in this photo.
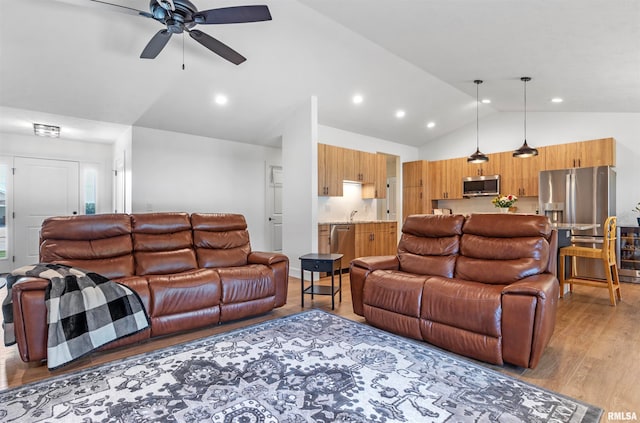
(576, 226)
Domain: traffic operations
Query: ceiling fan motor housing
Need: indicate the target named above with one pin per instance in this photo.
(177, 20)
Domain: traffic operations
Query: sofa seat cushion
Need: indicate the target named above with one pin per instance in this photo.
(472, 306)
(395, 291)
(463, 317)
(184, 301)
(246, 283)
(188, 291)
(246, 291)
(392, 302)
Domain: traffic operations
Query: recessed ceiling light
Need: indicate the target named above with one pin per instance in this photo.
(486, 101)
(221, 99)
(431, 125)
(557, 100)
(400, 114)
(357, 99)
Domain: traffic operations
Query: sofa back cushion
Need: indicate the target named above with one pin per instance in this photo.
(162, 243)
(220, 239)
(100, 243)
(503, 248)
(429, 244)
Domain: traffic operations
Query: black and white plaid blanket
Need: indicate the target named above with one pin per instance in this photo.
(85, 311)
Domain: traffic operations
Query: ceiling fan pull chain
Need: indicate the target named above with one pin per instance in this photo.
(183, 51)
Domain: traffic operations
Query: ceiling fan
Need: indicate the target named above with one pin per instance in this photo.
(181, 15)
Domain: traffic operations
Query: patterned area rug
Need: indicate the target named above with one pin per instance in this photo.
(309, 367)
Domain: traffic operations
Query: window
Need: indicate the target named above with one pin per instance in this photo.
(90, 188)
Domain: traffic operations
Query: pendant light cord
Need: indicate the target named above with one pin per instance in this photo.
(477, 117)
(525, 109)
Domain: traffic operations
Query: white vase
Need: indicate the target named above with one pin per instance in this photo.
(503, 209)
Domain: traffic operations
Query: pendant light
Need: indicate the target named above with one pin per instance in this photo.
(477, 157)
(525, 151)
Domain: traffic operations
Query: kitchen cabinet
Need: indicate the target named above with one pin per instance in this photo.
(492, 167)
(415, 188)
(337, 164)
(376, 238)
(358, 166)
(324, 240)
(600, 152)
(330, 170)
(377, 189)
(445, 179)
(519, 176)
(629, 253)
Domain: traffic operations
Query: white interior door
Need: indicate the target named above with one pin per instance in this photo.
(119, 185)
(41, 188)
(274, 208)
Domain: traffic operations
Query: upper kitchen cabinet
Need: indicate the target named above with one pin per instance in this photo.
(415, 174)
(600, 152)
(519, 176)
(330, 168)
(378, 187)
(492, 167)
(445, 179)
(415, 188)
(359, 166)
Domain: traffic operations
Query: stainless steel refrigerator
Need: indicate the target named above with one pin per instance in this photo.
(580, 196)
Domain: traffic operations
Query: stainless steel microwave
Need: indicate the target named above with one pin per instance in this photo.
(478, 186)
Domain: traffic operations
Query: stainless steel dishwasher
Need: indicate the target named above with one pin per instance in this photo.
(342, 239)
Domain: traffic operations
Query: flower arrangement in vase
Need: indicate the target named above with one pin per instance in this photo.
(504, 202)
(637, 210)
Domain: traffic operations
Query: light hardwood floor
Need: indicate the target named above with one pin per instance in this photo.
(593, 356)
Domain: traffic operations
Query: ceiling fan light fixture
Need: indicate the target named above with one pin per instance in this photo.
(477, 157)
(525, 151)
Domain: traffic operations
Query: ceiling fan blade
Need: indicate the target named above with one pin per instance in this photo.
(156, 44)
(99, 4)
(218, 47)
(236, 14)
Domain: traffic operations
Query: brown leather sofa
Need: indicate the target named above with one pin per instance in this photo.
(189, 270)
(482, 286)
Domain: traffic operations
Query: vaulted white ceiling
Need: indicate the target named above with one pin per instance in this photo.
(69, 58)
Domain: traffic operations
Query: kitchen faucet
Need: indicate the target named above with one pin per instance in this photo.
(351, 215)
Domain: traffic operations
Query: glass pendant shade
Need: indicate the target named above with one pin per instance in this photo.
(525, 151)
(477, 157)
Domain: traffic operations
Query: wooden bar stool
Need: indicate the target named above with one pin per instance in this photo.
(608, 256)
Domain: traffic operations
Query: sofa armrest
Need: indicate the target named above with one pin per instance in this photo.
(544, 285)
(279, 265)
(377, 263)
(529, 309)
(261, 257)
(358, 272)
(30, 318)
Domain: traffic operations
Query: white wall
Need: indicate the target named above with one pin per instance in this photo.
(180, 172)
(300, 190)
(504, 132)
(88, 154)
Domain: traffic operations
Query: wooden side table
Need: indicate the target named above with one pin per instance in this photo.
(321, 263)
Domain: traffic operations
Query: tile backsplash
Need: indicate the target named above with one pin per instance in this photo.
(338, 209)
(484, 205)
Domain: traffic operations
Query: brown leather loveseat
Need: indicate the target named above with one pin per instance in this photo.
(482, 286)
(189, 270)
